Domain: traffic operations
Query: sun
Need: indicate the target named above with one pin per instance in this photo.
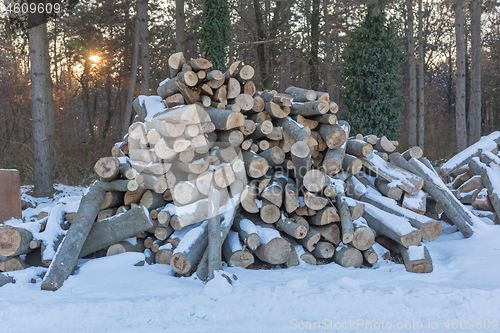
(95, 58)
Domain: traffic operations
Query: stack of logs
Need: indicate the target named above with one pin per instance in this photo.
(293, 185)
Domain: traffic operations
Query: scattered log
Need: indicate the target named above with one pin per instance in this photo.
(66, 257)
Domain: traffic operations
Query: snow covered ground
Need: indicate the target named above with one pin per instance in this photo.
(110, 294)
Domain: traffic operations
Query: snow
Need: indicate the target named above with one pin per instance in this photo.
(153, 106)
(416, 201)
(190, 237)
(248, 226)
(394, 172)
(234, 241)
(110, 294)
(416, 252)
(266, 234)
(399, 224)
(487, 143)
(293, 121)
(166, 246)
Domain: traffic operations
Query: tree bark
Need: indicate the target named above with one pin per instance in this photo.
(412, 98)
(461, 128)
(42, 105)
(142, 15)
(127, 117)
(475, 73)
(180, 26)
(215, 241)
(421, 79)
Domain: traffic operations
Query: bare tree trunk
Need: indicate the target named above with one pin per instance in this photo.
(328, 50)
(475, 97)
(412, 107)
(142, 15)
(461, 128)
(314, 57)
(180, 26)
(42, 101)
(421, 79)
(127, 117)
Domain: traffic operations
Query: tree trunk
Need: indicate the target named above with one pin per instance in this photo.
(180, 26)
(421, 79)
(66, 257)
(127, 117)
(42, 106)
(142, 15)
(461, 128)
(412, 98)
(328, 50)
(475, 69)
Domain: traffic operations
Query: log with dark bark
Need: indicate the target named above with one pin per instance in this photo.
(66, 257)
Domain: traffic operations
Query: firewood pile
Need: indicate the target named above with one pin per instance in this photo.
(213, 168)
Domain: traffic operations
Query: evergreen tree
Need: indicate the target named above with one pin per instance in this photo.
(370, 78)
(216, 32)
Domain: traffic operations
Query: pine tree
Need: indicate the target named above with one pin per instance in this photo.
(370, 78)
(216, 32)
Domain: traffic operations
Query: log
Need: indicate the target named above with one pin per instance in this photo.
(190, 249)
(224, 176)
(248, 127)
(310, 239)
(348, 256)
(14, 241)
(12, 264)
(233, 88)
(275, 190)
(269, 212)
(175, 62)
(255, 165)
(417, 259)
(315, 202)
(115, 229)
(215, 241)
(332, 163)
(200, 64)
(301, 95)
(276, 111)
(108, 168)
(234, 253)
(394, 227)
(291, 196)
(249, 88)
(407, 181)
(272, 249)
(248, 199)
(306, 122)
(387, 189)
(105, 213)
(323, 250)
(324, 216)
(163, 233)
(416, 203)
(370, 256)
(66, 257)
(435, 187)
(296, 131)
(329, 119)
(301, 160)
(314, 108)
(274, 156)
(429, 228)
(158, 185)
(364, 236)
(245, 73)
(413, 152)
(231, 71)
(359, 148)
(225, 119)
(165, 89)
(334, 135)
(130, 245)
(133, 196)
(289, 227)
(247, 231)
(384, 145)
(329, 232)
(190, 214)
(345, 219)
(151, 200)
(492, 184)
(164, 254)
